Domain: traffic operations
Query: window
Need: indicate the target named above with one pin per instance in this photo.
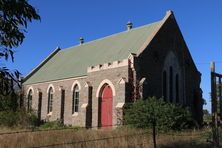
(164, 85)
(29, 105)
(177, 88)
(171, 84)
(75, 99)
(50, 99)
(171, 78)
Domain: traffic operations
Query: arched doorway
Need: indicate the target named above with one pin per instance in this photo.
(106, 106)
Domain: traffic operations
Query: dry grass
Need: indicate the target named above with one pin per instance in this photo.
(192, 139)
(76, 138)
(103, 138)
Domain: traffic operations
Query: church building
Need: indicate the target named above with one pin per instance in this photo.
(89, 84)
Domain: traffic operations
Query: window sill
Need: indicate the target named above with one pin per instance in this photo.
(49, 114)
(75, 114)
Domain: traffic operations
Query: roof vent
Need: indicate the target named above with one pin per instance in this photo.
(81, 40)
(129, 25)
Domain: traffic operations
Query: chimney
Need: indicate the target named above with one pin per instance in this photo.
(81, 40)
(129, 25)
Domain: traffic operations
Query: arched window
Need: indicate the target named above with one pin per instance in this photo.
(164, 85)
(171, 84)
(173, 77)
(177, 88)
(50, 99)
(75, 99)
(29, 104)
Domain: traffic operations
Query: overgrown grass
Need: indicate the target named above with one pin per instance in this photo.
(185, 139)
(76, 138)
(119, 137)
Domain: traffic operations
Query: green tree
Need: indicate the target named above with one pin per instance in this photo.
(155, 112)
(206, 117)
(14, 17)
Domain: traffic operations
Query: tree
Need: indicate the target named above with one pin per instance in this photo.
(206, 117)
(14, 17)
(156, 112)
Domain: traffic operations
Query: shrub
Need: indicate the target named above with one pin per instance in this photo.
(8, 118)
(152, 111)
(19, 118)
(9, 102)
(53, 125)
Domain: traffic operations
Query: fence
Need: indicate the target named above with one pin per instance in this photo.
(69, 137)
(216, 104)
(32, 130)
(84, 142)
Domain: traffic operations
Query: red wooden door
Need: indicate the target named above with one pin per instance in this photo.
(106, 107)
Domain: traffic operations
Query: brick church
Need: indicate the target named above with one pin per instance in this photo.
(89, 84)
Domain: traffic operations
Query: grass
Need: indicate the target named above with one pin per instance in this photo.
(119, 137)
(191, 139)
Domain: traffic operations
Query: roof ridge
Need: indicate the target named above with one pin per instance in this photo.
(115, 34)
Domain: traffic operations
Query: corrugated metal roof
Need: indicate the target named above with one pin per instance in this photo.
(73, 62)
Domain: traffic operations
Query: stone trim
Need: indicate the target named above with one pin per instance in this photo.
(131, 58)
(84, 105)
(106, 81)
(76, 82)
(122, 80)
(39, 90)
(53, 88)
(120, 105)
(61, 88)
(88, 84)
(110, 65)
(30, 88)
(75, 114)
(49, 114)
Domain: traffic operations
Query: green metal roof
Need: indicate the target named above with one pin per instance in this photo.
(73, 61)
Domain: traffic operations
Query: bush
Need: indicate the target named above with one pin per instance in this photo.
(8, 118)
(9, 102)
(52, 125)
(152, 111)
(19, 118)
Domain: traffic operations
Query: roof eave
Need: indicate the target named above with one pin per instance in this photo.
(41, 64)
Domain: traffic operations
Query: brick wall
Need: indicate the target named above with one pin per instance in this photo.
(150, 65)
(93, 80)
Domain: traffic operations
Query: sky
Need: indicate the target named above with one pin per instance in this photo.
(63, 22)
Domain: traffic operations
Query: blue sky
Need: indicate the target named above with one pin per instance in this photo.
(64, 21)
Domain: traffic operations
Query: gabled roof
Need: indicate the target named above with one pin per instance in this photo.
(73, 61)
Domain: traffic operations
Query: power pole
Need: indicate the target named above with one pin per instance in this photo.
(214, 105)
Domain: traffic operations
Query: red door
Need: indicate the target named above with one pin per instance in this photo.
(106, 107)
